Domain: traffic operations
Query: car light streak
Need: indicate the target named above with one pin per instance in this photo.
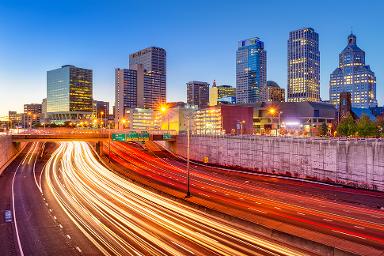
(122, 218)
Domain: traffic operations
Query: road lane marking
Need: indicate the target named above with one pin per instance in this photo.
(182, 247)
(301, 213)
(68, 236)
(328, 220)
(78, 249)
(13, 205)
(359, 227)
(336, 231)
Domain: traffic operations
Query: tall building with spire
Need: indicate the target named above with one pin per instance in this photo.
(353, 76)
(251, 70)
(303, 66)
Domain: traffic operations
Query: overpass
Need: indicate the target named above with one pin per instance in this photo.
(91, 135)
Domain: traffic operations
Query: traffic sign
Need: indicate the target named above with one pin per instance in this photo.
(118, 136)
(8, 216)
(167, 136)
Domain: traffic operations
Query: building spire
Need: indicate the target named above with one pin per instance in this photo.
(214, 83)
(352, 39)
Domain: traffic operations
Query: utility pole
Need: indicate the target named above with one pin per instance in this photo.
(188, 155)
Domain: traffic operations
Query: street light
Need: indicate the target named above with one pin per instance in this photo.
(241, 127)
(273, 111)
(189, 109)
(164, 109)
(123, 121)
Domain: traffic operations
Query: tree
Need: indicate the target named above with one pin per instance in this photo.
(347, 126)
(366, 127)
(380, 125)
(323, 129)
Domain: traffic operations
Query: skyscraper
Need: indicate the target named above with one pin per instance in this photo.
(153, 86)
(303, 66)
(125, 92)
(198, 93)
(353, 76)
(69, 93)
(251, 70)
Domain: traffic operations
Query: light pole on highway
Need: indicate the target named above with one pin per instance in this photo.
(165, 110)
(188, 152)
(109, 141)
(188, 115)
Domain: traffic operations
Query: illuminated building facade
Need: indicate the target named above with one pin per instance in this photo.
(294, 117)
(223, 119)
(251, 70)
(32, 114)
(69, 93)
(198, 93)
(15, 119)
(353, 76)
(140, 119)
(219, 92)
(125, 92)
(274, 93)
(303, 66)
(100, 109)
(150, 66)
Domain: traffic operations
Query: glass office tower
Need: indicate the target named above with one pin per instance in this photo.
(251, 70)
(353, 76)
(303, 66)
(69, 93)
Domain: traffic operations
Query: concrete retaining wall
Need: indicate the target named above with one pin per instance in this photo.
(356, 163)
(7, 151)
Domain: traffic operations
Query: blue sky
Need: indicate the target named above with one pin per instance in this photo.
(200, 38)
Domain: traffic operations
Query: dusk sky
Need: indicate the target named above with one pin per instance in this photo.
(200, 38)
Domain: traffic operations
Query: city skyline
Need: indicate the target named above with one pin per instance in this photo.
(194, 60)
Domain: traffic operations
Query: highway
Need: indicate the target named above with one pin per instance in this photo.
(38, 226)
(338, 212)
(122, 218)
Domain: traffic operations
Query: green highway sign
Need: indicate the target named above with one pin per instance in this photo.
(119, 136)
(131, 136)
(167, 136)
(137, 136)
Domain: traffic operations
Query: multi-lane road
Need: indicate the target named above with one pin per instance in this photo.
(38, 226)
(347, 215)
(122, 218)
(64, 201)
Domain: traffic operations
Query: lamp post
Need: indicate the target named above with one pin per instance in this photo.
(188, 155)
(164, 109)
(101, 117)
(241, 127)
(109, 141)
(273, 111)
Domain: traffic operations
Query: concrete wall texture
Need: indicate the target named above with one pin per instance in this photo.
(356, 163)
(7, 151)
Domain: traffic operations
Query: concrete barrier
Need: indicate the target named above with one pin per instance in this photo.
(8, 150)
(355, 163)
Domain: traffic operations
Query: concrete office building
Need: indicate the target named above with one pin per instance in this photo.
(150, 65)
(274, 93)
(32, 114)
(198, 93)
(303, 66)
